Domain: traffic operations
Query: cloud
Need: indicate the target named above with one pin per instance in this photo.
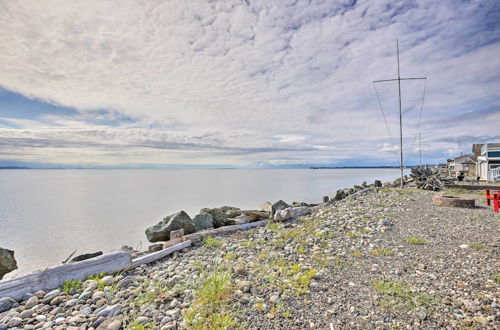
(245, 82)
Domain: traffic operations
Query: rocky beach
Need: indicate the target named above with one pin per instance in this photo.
(384, 258)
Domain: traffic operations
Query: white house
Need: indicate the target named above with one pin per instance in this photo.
(488, 162)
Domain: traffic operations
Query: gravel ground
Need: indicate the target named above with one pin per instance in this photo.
(385, 259)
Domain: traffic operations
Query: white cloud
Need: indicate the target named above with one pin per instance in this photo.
(250, 76)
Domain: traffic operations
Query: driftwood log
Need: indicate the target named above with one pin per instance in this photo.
(429, 178)
(54, 277)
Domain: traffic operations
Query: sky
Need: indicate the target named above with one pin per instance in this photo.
(270, 83)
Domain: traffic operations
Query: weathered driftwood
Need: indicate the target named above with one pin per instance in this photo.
(51, 278)
(429, 179)
(196, 237)
(160, 254)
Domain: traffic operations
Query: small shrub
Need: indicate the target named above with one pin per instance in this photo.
(401, 297)
(71, 286)
(415, 241)
(212, 242)
(211, 308)
(496, 278)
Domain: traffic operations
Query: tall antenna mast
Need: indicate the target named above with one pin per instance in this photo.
(401, 164)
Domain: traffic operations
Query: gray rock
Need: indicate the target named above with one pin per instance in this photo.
(59, 320)
(7, 262)
(280, 205)
(291, 213)
(32, 302)
(3, 326)
(41, 318)
(110, 311)
(222, 216)
(125, 282)
(267, 207)
(52, 294)
(27, 314)
(7, 303)
(14, 322)
(161, 231)
(26, 296)
(71, 303)
(203, 221)
(85, 294)
(107, 280)
(142, 319)
(341, 194)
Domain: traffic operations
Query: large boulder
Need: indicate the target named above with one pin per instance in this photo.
(340, 195)
(291, 213)
(280, 205)
(7, 262)
(203, 221)
(267, 207)
(222, 216)
(161, 231)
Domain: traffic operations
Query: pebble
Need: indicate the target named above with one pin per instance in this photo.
(52, 294)
(41, 318)
(32, 302)
(14, 322)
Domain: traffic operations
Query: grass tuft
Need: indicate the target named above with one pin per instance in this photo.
(381, 252)
(211, 308)
(212, 242)
(72, 287)
(415, 240)
(400, 297)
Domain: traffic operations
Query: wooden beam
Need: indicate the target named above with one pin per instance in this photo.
(159, 254)
(54, 277)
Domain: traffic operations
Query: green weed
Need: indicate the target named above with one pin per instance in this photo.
(381, 252)
(212, 242)
(415, 241)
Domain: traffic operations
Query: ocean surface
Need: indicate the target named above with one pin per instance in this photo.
(47, 214)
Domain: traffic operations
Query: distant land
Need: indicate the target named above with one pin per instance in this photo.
(13, 168)
(354, 167)
(216, 168)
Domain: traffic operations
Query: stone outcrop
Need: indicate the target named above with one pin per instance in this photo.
(7, 262)
(203, 221)
(222, 216)
(161, 231)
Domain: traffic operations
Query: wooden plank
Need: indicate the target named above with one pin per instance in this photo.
(196, 237)
(159, 254)
(54, 277)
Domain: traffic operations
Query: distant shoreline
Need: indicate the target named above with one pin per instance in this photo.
(206, 168)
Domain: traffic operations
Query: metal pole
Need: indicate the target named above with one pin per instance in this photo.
(400, 120)
(420, 147)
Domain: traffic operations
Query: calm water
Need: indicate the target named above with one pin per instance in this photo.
(47, 214)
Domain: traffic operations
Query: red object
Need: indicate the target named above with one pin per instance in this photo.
(495, 197)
